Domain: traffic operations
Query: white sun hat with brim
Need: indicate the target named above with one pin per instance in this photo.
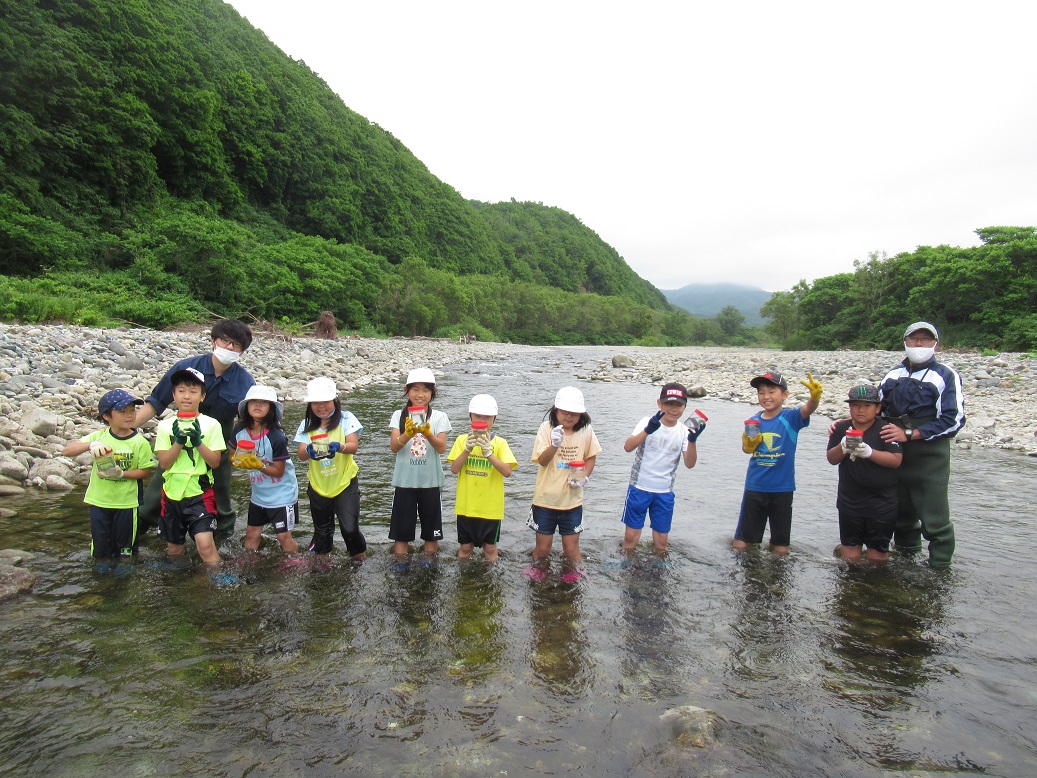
(421, 375)
(483, 404)
(320, 390)
(569, 398)
(259, 392)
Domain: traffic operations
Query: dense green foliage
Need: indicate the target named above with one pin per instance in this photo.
(979, 297)
(168, 152)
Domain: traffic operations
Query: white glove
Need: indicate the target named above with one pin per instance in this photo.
(487, 445)
(99, 449)
(557, 435)
(864, 451)
(844, 444)
(111, 475)
(579, 484)
(471, 442)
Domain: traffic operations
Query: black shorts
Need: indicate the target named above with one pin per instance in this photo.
(410, 504)
(757, 508)
(875, 532)
(478, 532)
(113, 532)
(283, 518)
(191, 515)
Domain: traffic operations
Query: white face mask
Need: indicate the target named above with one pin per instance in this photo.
(225, 356)
(919, 355)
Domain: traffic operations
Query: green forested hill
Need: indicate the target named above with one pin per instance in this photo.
(159, 159)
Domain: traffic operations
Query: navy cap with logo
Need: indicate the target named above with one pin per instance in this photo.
(674, 393)
(770, 377)
(116, 400)
(187, 375)
(863, 394)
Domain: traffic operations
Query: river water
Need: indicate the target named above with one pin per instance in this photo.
(710, 663)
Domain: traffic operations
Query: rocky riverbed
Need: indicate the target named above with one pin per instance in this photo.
(52, 376)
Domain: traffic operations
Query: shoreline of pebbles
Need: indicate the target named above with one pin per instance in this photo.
(51, 377)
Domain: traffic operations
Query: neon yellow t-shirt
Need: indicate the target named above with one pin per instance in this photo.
(480, 486)
(182, 478)
(130, 453)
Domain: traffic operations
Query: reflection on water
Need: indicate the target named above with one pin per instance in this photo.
(706, 662)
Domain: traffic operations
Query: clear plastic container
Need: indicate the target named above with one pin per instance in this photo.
(697, 420)
(853, 438)
(187, 420)
(107, 466)
(416, 413)
(319, 441)
(245, 452)
(577, 469)
(479, 430)
(752, 428)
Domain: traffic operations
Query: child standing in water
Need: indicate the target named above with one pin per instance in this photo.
(567, 437)
(275, 490)
(481, 460)
(328, 438)
(418, 439)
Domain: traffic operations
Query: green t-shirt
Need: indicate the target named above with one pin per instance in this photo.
(131, 453)
(182, 478)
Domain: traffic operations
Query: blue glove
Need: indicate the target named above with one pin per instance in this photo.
(313, 454)
(653, 423)
(334, 447)
(694, 432)
(178, 436)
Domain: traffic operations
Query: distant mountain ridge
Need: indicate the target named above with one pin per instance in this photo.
(707, 300)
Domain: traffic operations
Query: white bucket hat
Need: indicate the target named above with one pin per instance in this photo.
(320, 390)
(258, 392)
(569, 398)
(420, 375)
(483, 404)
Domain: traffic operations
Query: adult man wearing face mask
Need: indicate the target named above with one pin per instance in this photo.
(924, 407)
(226, 383)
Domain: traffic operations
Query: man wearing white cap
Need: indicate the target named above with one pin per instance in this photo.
(924, 406)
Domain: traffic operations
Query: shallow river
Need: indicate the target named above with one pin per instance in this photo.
(800, 665)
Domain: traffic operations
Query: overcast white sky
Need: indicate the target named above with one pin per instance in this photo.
(753, 142)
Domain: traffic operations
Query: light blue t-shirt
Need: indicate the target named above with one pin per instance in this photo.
(772, 467)
(269, 492)
(418, 466)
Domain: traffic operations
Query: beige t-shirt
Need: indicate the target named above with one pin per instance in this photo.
(552, 488)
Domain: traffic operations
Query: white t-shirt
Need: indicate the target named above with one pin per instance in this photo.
(656, 460)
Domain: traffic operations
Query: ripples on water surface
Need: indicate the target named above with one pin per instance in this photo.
(804, 667)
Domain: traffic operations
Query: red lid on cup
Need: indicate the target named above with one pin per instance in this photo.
(753, 421)
(855, 433)
(577, 464)
(701, 415)
(186, 414)
(318, 435)
(248, 445)
(415, 409)
(480, 425)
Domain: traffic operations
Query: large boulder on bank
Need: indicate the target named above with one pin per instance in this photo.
(39, 421)
(622, 360)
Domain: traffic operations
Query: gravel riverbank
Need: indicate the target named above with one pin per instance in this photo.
(52, 376)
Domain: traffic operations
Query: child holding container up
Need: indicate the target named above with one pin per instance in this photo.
(661, 442)
(260, 448)
(565, 451)
(481, 460)
(418, 439)
(867, 496)
(328, 439)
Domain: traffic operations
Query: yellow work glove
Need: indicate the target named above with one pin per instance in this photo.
(424, 429)
(252, 462)
(814, 387)
(408, 428)
(749, 444)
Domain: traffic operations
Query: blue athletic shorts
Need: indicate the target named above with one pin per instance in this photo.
(546, 520)
(658, 506)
